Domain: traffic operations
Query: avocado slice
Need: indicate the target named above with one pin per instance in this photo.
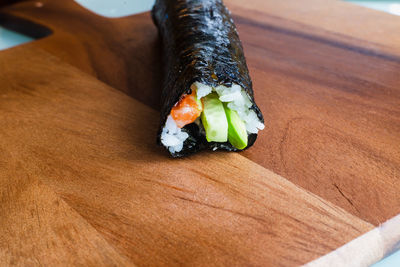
(214, 119)
(237, 134)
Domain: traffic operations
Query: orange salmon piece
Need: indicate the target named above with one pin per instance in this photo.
(187, 110)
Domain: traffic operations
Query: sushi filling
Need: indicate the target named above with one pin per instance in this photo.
(225, 114)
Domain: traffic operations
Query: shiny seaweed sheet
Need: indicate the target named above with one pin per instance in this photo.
(200, 43)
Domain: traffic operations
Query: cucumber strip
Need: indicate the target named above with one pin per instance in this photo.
(214, 119)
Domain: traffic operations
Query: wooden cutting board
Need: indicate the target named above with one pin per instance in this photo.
(83, 182)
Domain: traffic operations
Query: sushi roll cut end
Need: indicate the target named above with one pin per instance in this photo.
(223, 114)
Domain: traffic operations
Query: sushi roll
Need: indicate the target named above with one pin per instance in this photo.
(207, 97)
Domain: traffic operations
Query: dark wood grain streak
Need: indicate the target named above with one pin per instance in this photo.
(345, 20)
(241, 20)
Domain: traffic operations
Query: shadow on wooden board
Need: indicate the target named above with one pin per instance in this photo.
(28, 28)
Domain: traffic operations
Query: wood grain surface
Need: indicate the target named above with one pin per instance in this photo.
(94, 147)
(38, 228)
(80, 156)
(329, 90)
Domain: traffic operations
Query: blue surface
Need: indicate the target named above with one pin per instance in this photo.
(390, 261)
(10, 38)
(392, 7)
(117, 8)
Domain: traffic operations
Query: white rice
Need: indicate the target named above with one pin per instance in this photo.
(172, 136)
(233, 94)
(237, 99)
(201, 89)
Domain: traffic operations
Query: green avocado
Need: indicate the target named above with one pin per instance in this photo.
(237, 134)
(214, 119)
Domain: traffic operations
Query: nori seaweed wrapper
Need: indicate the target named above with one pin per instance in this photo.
(200, 43)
